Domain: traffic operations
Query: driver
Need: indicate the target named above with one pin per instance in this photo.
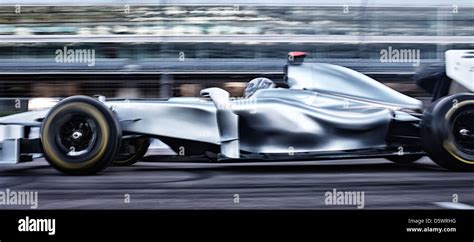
(257, 84)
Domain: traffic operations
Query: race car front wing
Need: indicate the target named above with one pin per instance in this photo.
(16, 145)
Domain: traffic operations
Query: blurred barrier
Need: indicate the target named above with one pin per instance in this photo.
(173, 48)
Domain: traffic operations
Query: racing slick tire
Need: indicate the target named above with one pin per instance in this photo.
(80, 136)
(448, 132)
(134, 149)
(405, 159)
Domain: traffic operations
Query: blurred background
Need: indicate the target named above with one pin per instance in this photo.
(172, 48)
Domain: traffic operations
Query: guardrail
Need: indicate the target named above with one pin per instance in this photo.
(158, 66)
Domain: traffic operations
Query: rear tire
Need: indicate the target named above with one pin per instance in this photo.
(448, 132)
(134, 150)
(80, 136)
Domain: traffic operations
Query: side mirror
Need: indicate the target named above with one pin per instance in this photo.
(205, 94)
(219, 96)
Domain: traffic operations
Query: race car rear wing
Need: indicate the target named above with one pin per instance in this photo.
(460, 67)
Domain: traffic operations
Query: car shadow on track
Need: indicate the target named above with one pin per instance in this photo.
(352, 166)
(294, 166)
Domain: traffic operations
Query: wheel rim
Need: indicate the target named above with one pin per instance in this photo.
(463, 131)
(76, 134)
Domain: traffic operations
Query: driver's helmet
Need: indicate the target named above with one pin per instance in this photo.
(257, 84)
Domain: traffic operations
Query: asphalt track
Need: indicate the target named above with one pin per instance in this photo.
(283, 185)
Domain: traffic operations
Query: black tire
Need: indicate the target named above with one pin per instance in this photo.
(139, 149)
(404, 159)
(80, 136)
(442, 132)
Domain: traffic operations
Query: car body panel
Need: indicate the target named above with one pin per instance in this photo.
(322, 77)
(175, 119)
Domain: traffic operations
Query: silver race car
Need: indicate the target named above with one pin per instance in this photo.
(324, 112)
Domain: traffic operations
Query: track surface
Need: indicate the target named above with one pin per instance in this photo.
(288, 185)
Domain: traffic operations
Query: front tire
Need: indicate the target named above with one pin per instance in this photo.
(80, 136)
(448, 132)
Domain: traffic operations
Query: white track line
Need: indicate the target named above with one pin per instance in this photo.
(451, 205)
